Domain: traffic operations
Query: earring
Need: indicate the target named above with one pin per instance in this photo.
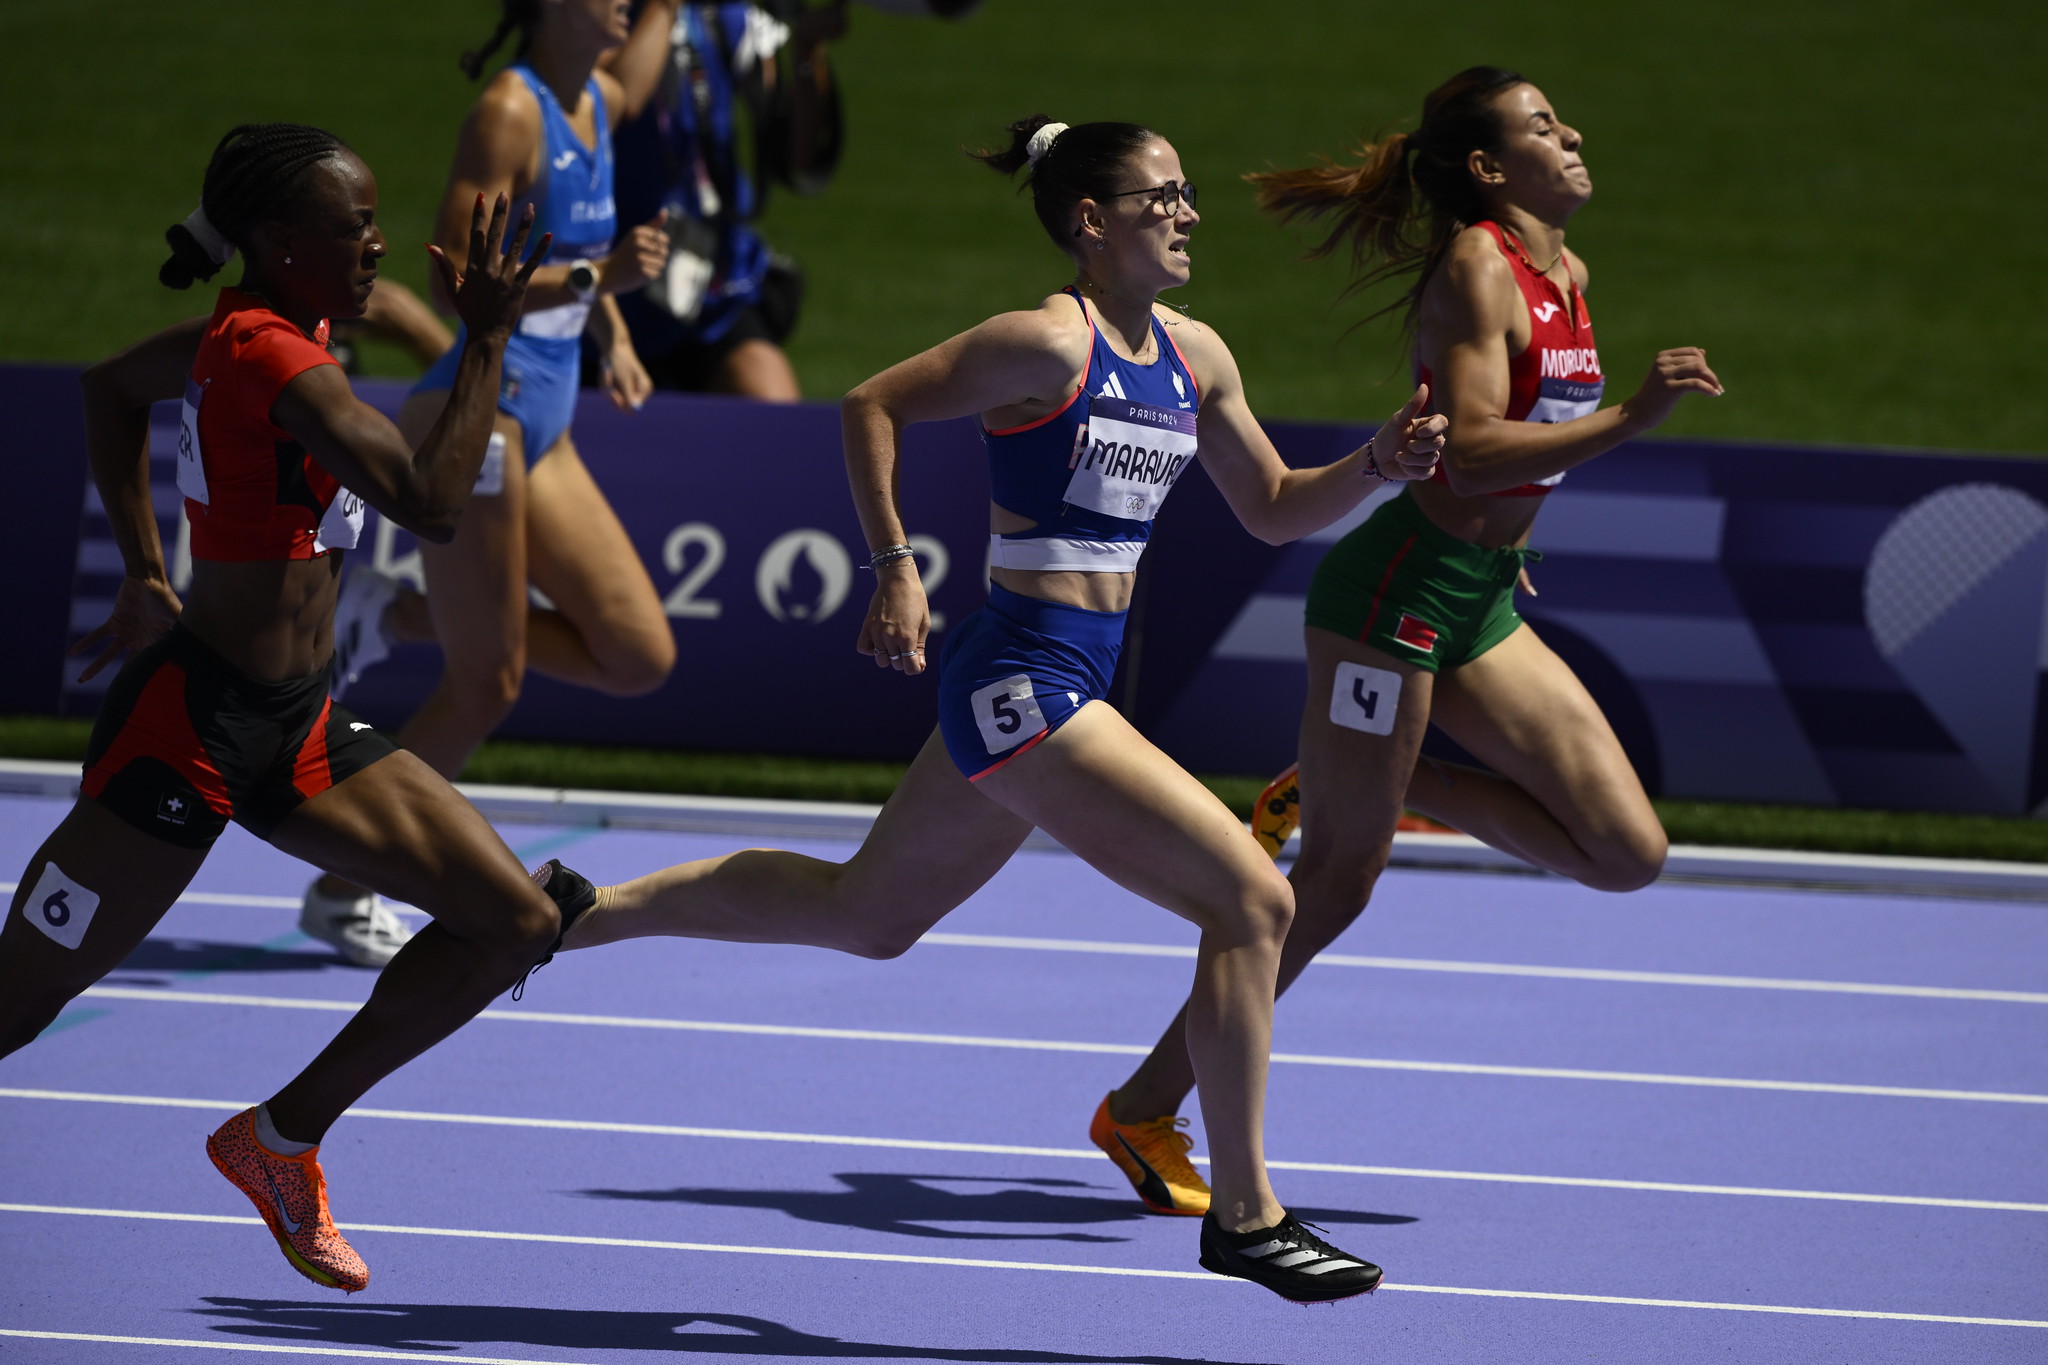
(1100, 244)
(287, 260)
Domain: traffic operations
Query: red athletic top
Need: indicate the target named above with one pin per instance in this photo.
(251, 491)
(1557, 378)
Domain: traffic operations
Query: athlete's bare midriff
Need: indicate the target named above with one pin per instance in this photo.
(272, 619)
(1487, 520)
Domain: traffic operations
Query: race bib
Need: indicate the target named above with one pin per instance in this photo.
(1006, 713)
(342, 527)
(1127, 456)
(60, 907)
(191, 466)
(1365, 698)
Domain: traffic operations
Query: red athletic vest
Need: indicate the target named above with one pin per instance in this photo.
(1558, 377)
(251, 490)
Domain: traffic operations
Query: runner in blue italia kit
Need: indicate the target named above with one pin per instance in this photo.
(540, 131)
(1093, 403)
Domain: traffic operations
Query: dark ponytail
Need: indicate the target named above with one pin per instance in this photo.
(1085, 161)
(1406, 198)
(514, 16)
(260, 172)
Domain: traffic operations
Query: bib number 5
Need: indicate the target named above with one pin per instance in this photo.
(1006, 713)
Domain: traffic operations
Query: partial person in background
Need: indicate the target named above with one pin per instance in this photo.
(540, 132)
(715, 318)
(1411, 616)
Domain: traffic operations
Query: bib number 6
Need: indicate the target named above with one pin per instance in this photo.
(1006, 713)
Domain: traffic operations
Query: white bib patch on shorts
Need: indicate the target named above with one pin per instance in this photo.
(60, 907)
(490, 479)
(1365, 698)
(1006, 713)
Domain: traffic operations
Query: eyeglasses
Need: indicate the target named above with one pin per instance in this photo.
(1170, 196)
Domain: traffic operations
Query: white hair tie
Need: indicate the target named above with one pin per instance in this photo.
(1042, 140)
(217, 247)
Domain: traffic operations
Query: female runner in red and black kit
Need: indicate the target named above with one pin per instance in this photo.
(222, 713)
(1411, 617)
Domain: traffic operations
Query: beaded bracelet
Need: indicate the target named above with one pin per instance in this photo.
(1372, 464)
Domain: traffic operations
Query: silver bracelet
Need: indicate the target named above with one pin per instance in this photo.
(888, 554)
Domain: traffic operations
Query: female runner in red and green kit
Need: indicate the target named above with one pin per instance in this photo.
(1411, 616)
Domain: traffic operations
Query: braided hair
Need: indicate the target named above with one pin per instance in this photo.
(1084, 161)
(260, 172)
(514, 16)
(1405, 199)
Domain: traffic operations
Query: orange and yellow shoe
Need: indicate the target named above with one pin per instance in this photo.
(1278, 811)
(1154, 1155)
(291, 1194)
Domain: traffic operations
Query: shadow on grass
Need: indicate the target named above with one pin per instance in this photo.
(450, 1327)
(908, 1204)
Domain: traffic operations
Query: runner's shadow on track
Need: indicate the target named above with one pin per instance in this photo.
(907, 1204)
(451, 1327)
(174, 956)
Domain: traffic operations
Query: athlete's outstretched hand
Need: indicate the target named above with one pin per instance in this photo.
(489, 294)
(1408, 445)
(1673, 374)
(144, 611)
(898, 619)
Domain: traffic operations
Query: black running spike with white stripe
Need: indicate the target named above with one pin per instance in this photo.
(1288, 1259)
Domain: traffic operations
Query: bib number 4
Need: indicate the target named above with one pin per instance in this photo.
(1006, 713)
(1365, 699)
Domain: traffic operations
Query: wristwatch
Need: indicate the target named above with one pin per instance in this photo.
(583, 280)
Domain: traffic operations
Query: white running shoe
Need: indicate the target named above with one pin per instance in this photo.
(360, 639)
(362, 928)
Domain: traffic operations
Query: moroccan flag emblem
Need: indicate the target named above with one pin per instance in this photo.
(1416, 634)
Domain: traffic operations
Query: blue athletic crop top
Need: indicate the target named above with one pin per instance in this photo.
(1093, 474)
(572, 198)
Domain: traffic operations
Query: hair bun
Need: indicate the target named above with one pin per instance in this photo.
(1041, 142)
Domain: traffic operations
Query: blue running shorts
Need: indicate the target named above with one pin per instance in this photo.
(538, 388)
(1017, 670)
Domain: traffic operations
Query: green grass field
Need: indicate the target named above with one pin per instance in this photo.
(1836, 201)
(805, 779)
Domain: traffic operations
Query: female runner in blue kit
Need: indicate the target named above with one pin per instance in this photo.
(1091, 403)
(540, 131)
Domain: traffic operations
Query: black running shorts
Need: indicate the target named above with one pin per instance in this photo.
(186, 742)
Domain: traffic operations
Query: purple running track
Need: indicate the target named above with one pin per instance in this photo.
(673, 1151)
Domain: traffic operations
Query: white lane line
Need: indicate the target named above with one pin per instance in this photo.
(330, 1352)
(1059, 1153)
(1551, 1073)
(805, 1253)
(1396, 964)
(1424, 964)
(645, 1244)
